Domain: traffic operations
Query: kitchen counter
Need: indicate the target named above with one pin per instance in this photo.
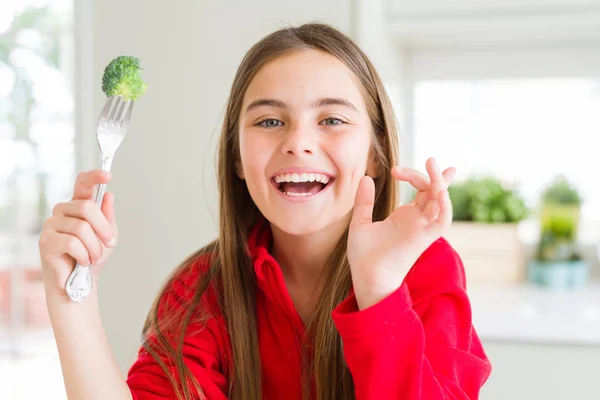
(526, 313)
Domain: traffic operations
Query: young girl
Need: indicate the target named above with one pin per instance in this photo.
(319, 285)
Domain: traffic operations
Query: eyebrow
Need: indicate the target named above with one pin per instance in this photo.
(266, 102)
(323, 101)
(334, 101)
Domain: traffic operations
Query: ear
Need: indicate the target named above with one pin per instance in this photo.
(239, 171)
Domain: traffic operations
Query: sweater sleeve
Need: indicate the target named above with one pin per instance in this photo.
(419, 342)
(203, 352)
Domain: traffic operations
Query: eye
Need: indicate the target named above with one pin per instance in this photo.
(332, 121)
(270, 123)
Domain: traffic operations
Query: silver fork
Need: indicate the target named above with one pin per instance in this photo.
(112, 126)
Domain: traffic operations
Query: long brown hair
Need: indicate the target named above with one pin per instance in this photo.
(231, 264)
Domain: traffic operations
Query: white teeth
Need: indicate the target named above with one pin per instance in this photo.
(303, 177)
(297, 194)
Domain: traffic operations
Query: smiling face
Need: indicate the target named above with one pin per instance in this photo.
(305, 141)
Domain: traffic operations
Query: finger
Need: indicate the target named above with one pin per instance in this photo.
(55, 244)
(444, 218)
(431, 211)
(87, 181)
(419, 180)
(363, 202)
(89, 211)
(421, 200)
(422, 197)
(108, 209)
(435, 175)
(449, 174)
(80, 229)
(72, 246)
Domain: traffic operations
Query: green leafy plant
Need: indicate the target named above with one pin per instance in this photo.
(486, 200)
(559, 220)
(558, 237)
(561, 192)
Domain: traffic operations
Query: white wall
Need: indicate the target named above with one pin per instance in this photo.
(163, 174)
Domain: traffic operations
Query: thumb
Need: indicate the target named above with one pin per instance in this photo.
(363, 202)
(108, 209)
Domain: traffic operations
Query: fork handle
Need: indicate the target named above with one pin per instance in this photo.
(79, 284)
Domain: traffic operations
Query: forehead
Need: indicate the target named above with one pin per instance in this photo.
(300, 77)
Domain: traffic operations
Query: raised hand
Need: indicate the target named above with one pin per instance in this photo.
(78, 231)
(381, 253)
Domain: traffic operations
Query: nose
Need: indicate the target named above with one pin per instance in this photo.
(298, 141)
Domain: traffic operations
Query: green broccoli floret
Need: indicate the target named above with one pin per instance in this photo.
(122, 78)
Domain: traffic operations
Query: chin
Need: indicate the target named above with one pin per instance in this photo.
(300, 224)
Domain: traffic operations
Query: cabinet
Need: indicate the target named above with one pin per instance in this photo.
(433, 8)
(542, 372)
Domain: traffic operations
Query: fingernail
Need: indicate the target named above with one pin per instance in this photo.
(112, 241)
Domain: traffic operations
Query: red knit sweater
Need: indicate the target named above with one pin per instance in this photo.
(418, 343)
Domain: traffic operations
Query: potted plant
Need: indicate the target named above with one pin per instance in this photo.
(486, 214)
(561, 193)
(557, 262)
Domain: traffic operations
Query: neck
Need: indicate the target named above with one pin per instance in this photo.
(303, 258)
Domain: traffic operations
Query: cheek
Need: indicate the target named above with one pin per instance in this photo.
(254, 152)
(352, 155)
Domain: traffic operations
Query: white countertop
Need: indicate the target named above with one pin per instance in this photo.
(526, 313)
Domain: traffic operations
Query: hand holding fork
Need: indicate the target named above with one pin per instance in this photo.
(112, 126)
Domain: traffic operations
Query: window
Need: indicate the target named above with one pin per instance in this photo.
(521, 118)
(37, 168)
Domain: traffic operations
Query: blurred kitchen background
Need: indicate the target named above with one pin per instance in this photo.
(508, 91)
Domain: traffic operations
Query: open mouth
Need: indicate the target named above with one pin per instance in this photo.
(301, 185)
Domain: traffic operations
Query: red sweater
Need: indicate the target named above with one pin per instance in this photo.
(418, 343)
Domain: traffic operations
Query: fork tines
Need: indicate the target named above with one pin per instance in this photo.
(116, 111)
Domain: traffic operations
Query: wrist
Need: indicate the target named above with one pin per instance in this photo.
(368, 298)
(58, 300)
(55, 288)
(382, 282)
(367, 295)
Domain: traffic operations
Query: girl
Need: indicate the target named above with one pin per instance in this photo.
(319, 285)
